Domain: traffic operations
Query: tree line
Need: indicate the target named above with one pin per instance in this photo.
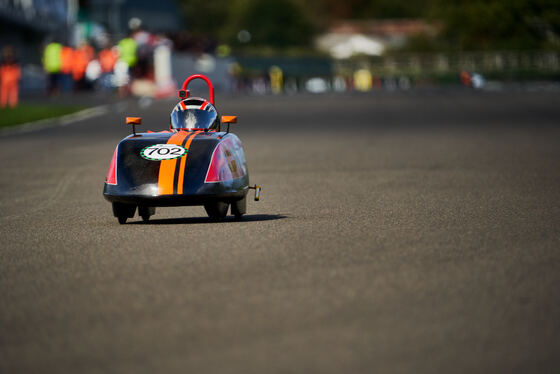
(463, 24)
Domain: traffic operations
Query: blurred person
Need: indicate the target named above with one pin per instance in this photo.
(121, 78)
(339, 84)
(465, 78)
(405, 83)
(349, 80)
(10, 73)
(127, 51)
(363, 80)
(52, 63)
(82, 57)
(145, 46)
(128, 59)
(108, 57)
(93, 71)
(259, 86)
(276, 77)
(478, 81)
(234, 72)
(66, 67)
(376, 82)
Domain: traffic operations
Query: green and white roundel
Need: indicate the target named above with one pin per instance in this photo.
(159, 152)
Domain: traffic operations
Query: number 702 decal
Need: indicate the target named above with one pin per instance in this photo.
(158, 152)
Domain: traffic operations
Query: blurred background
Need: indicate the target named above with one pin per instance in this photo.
(409, 155)
(146, 48)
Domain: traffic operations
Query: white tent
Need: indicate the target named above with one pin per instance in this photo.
(347, 45)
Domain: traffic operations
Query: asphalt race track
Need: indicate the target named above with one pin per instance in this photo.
(398, 233)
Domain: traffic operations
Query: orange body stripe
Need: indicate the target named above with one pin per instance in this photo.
(167, 167)
(182, 165)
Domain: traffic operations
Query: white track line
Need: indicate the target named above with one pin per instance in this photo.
(56, 121)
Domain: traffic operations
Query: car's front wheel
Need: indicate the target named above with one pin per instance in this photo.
(145, 212)
(123, 211)
(239, 207)
(217, 210)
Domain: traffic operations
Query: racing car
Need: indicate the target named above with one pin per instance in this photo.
(194, 162)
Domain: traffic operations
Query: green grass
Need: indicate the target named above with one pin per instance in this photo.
(31, 112)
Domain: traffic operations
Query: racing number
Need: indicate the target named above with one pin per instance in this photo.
(165, 151)
(158, 152)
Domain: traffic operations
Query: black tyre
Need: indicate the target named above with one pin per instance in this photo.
(145, 212)
(239, 207)
(217, 210)
(123, 211)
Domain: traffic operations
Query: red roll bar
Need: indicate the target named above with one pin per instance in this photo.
(183, 92)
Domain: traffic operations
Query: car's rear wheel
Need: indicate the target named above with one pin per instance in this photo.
(217, 210)
(145, 212)
(123, 211)
(239, 207)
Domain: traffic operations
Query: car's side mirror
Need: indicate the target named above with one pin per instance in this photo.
(134, 121)
(229, 119)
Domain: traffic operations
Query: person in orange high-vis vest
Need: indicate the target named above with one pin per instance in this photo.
(108, 58)
(10, 73)
(82, 56)
(66, 66)
(465, 78)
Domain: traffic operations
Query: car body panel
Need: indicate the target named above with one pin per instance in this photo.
(133, 178)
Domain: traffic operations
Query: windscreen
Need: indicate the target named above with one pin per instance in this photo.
(193, 119)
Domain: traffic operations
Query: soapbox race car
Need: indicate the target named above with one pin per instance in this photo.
(192, 163)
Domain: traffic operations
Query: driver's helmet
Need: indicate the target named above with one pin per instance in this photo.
(195, 113)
